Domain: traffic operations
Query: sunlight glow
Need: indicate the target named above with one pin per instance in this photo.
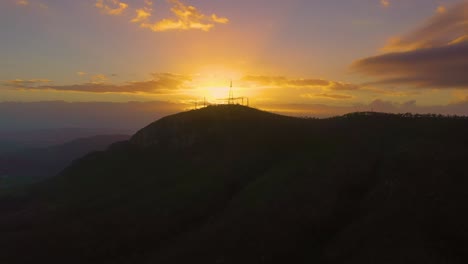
(213, 83)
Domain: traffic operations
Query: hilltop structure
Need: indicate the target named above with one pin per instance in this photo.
(232, 100)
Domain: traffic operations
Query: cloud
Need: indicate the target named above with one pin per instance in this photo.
(161, 83)
(441, 9)
(22, 2)
(34, 4)
(282, 82)
(221, 20)
(31, 83)
(443, 67)
(329, 96)
(433, 56)
(111, 7)
(142, 14)
(80, 73)
(385, 3)
(186, 18)
(438, 31)
(99, 79)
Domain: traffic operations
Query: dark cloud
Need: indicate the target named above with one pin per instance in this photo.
(160, 83)
(442, 67)
(280, 81)
(434, 56)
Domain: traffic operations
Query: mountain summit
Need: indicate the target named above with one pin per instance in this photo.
(231, 184)
(183, 129)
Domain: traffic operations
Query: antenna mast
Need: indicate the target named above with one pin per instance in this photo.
(231, 95)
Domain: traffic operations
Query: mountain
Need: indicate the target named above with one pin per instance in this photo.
(231, 184)
(31, 165)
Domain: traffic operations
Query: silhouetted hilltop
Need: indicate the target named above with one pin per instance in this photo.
(183, 129)
(231, 184)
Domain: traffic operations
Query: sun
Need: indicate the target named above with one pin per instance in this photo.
(213, 84)
(217, 92)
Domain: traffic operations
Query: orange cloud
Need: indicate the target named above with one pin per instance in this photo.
(186, 18)
(385, 3)
(441, 9)
(111, 7)
(22, 2)
(221, 20)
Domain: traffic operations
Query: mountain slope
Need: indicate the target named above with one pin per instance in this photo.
(230, 184)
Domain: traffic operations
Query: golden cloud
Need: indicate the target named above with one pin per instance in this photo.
(99, 78)
(280, 81)
(186, 18)
(142, 14)
(111, 7)
(329, 96)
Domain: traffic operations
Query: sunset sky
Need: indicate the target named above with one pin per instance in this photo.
(301, 57)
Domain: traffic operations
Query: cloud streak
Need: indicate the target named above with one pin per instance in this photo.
(161, 83)
(282, 82)
(433, 56)
(31, 83)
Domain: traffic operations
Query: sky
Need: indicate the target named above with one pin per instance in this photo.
(300, 57)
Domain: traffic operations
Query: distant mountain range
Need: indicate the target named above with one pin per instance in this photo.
(30, 165)
(12, 141)
(231, 184)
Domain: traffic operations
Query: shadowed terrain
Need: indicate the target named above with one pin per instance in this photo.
(231, 184)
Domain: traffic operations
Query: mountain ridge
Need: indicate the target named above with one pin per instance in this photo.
(230, 184)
